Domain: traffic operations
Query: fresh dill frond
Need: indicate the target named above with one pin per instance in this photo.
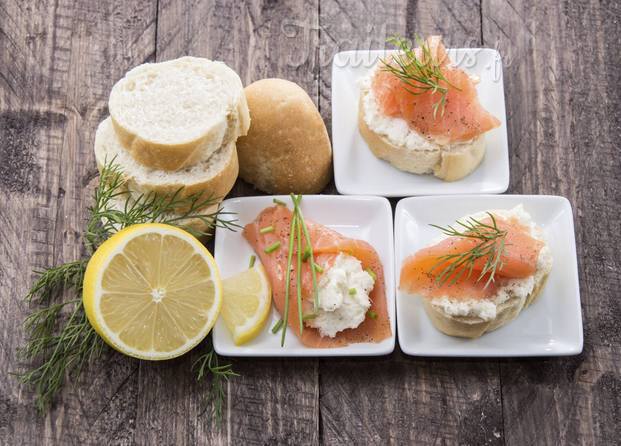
(53, 280)
(419, 74)
(60, 341)
(491, 247)
(209, 363)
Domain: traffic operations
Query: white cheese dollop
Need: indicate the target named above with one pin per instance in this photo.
(340, 307)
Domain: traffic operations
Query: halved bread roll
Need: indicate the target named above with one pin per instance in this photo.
(174, 114)
(213, 177)
(450, 162)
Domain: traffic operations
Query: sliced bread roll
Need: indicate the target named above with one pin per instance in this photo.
(213, 177)
(174, 114)
(394, 142)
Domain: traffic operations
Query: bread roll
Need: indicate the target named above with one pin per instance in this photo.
(287, 148)
(174, 114)
(213, 177)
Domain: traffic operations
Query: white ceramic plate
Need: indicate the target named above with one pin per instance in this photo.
(364, 218)
(358, 172)
(551, 326)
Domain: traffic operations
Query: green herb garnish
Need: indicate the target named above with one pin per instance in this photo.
(371, 273)
(279, 202)
(253, 259)
(419, 74)
(273, 247)
(352, 291)
(372, 314)
(317, 267)
(277, 326)
(491, 247)
(209, 363)
(60, 342)
(266, 229)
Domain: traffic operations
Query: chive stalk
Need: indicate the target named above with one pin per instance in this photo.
(288, 277)
(253, 259)
(266, 229)
(352, 291)
(371, 273)
(298, 274)
(372, 314)
(317, 267)
(277, 326)
(273, 247)
(279, 202)
(307, 238)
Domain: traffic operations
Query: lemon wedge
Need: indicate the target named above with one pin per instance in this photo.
(152, 291)
(246, 303)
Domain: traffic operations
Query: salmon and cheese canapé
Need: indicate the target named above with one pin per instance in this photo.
(524, 259)
(352, 299)
(459, 118)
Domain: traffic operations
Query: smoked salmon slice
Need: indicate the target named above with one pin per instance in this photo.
(519, 260)
(326, 246)
(462, 119)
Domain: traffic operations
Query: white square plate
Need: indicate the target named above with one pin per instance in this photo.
(364, 218)
(552, 326)
(358, 172)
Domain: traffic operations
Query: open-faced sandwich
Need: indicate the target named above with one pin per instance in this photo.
(422, 114)
(329, 289)
(483, 272)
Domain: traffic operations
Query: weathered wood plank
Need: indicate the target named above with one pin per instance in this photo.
(273, 401)
(58, 61)
(561, 83)
(415, 401)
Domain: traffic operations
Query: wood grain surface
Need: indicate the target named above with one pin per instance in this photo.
(58, 61)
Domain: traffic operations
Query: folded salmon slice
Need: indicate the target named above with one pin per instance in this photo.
(326, 245)
(463, 118)
(419, 271)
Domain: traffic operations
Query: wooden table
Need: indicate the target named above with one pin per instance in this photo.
(58, 61)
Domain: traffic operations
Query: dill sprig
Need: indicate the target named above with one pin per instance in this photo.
(209, 363)
(419, 74)
(60, 341)
(491, 247)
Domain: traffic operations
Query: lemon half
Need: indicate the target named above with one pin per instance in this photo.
(152, 291)
(246, 303)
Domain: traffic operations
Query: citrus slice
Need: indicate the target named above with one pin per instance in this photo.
(152, 291)
(246, 303)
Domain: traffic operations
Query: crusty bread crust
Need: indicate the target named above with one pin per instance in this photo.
(208, 182)
(449, 165)
(474, 327)
(287, 148)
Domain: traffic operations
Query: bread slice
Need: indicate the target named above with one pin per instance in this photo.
(174, 114)
(449, 163)
(474, 327)
(513, 295)
(213, 177)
